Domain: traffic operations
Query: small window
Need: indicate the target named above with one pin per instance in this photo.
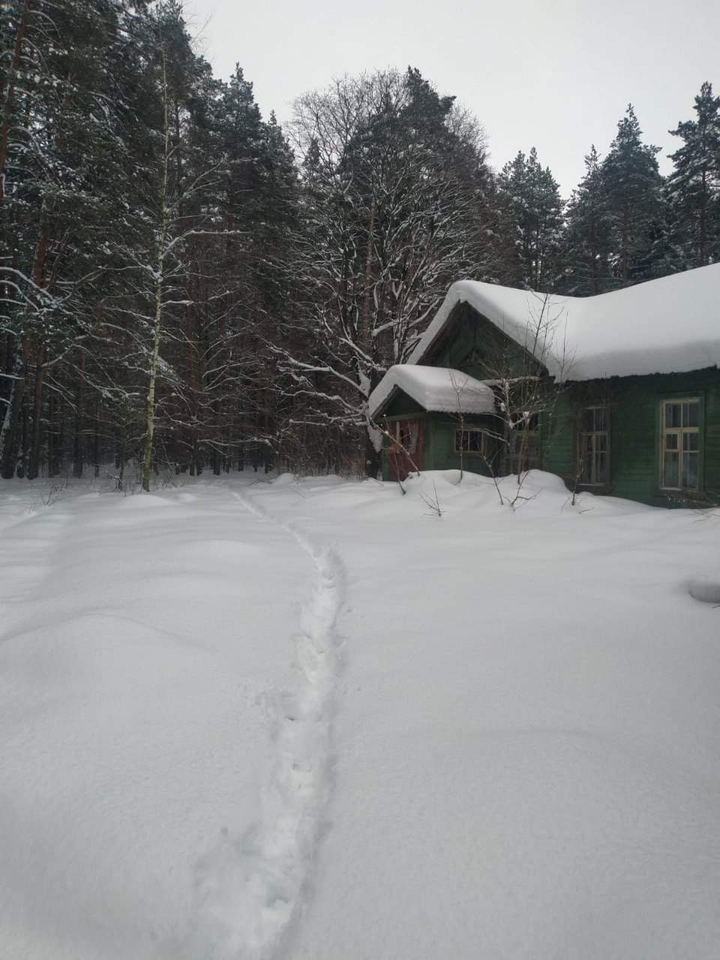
(594, 447)
(524, 445)
(470, 441)
(680, 445)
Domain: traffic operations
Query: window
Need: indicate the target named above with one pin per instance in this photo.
(470, 441)
(524, 447)
(405, 434)
(594, 447)
(680, 444)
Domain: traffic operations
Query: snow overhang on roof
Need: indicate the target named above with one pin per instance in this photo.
(671, 325)
(437, 389)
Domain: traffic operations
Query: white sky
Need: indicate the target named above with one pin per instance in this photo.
(556, 74)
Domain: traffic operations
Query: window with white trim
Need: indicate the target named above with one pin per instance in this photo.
(470, 441)
(594, 446)
(680, 444)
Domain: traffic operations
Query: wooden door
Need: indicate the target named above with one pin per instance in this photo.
(406, 452)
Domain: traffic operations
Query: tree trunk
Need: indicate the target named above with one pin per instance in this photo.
(373, 457)
(34, 464)
(78, 453)
(150, 402)
(159, 287)
(96, 443)
(625, 242)
(702, 252)
(10, 432)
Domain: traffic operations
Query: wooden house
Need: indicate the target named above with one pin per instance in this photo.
(617, 393)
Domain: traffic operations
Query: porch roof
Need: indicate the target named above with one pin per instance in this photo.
(437, 389)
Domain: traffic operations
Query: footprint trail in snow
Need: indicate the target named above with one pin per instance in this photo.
(251, 890)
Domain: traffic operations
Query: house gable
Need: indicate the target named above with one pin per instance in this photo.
(401, 405)
(471, 343)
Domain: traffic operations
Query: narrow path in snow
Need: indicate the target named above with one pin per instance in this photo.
(251, 892)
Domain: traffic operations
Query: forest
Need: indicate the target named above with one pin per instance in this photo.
(187, 286)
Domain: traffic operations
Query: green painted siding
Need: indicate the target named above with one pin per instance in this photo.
(443, 456)
(474, 345)
(439, 451)
(635, 431)
(559, 441)
(402, 406)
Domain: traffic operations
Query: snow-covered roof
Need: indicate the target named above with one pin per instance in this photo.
(670, 325)
(434, 388)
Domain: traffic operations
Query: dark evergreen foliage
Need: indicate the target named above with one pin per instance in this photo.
(693, 188)
(588, 234)
(531, 219)
(633, 191)
(181, 290)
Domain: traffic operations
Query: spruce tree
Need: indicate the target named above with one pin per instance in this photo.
(633, 188)
(532, 220)
(587, 239)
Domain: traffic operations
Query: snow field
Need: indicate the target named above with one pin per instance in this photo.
(138, 680)
(528, 754)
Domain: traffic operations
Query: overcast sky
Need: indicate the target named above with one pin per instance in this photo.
(556, 74)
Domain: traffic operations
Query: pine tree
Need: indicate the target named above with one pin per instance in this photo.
(693, 188)
(633, 187)
(532, 220)
(587, 239)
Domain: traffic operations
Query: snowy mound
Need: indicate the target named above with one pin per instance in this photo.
(328, 720)
(706, 591)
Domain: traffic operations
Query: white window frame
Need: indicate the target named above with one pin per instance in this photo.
(594, 434)
(680, 433)
(468, 430)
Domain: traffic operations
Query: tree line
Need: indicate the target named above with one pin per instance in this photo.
(186, 286)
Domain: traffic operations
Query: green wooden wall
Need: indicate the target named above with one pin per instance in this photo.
(439, 452)
(635, 431)
(474, 345)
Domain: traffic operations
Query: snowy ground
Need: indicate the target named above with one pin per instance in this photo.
(316, 721)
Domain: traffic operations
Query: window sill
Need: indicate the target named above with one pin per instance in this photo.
(679, 491)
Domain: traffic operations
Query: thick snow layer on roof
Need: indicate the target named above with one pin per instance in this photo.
(670, 325)
(434, 388)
